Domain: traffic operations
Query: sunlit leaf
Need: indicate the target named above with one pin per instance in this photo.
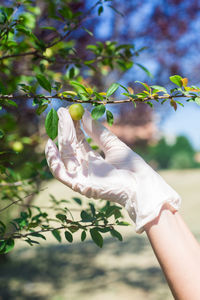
(98, 111)
(51, 124)
(112, 89)
(145, 70)
(176, 79)
(43, 82)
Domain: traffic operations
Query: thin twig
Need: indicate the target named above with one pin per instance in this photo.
(15, 202)
(18, 183)
(74, 28)
(19, 54)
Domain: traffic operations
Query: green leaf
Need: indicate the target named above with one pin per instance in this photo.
(48, 28)
(1, 134)
(31, 242)
(2, 227)
(79, 85)
(3, 17)
(83, 235)
(116, 234)
(96, 237)
(100, 10)
(197, 100)
(43, 82)
(57, 235)
(38, 235)
(71, 73)
(112, 89)
(164, 101)
(124, 88)
(145, 86)
(92, 208)
(77, 200)
(88, 31)
(73, 228)
(9, 245)
(111, 210)
(51, 124)
(41, 109)
(123, 223)
(2, 88)
(86, 217)
(159, 88)
(109, 117)
(8, 10)
(150, 104)
(98, 111)
(177, 80)
(2, 245)
(61, 217)
(92, 48)
(104, 229)
(145, 70)
(94, 147)
(68, 236)
(24, 30)
(10, 102)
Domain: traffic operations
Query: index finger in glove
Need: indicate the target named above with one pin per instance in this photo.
(67, 140)
(56, 165)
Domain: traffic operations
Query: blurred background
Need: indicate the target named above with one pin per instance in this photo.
(165, 40)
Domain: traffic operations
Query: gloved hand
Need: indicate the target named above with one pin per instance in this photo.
(122, 177)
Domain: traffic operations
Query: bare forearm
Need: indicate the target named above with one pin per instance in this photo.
(177, 252)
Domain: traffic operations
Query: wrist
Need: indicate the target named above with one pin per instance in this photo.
(166, 209)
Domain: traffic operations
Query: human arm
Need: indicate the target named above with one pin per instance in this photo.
(178, 253)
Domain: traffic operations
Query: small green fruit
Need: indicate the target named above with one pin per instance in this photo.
(76, 111)
(17, 146)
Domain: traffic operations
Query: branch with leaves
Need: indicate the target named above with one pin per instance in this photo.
(32, 225)
(86, 94)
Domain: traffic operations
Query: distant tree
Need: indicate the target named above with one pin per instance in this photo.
(179, 155)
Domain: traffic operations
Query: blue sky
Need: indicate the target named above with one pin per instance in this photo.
(184, 121)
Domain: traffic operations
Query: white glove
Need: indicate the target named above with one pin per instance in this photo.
(122, 177)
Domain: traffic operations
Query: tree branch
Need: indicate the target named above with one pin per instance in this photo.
(71, 223)
(16, 202)
(74, 28)
(90, 100)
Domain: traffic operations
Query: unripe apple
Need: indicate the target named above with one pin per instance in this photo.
(76, 111)
(17, 146)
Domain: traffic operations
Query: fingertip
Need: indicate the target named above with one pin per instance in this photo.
(87, 122)
(63, 113)
(86, 115)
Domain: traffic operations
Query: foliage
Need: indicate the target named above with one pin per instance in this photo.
(43, 67)
(179, 155)
(33, 223)
(181, 160)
